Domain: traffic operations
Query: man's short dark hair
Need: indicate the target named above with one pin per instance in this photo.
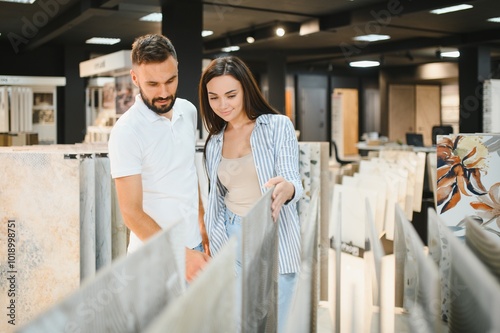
(152, 48)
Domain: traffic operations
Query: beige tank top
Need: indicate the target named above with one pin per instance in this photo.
(239, 177)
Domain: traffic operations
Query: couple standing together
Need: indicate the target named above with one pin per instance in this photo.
(250, 147)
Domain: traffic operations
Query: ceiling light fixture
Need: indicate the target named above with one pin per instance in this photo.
(206, 33)
(450, 54)
(153, 17)
(451, 9)
(364, 63)
(103, 40)
(230, 48)
(280, 31)
(250, 39)
(371, 38)
(494, 19)
(27, 2)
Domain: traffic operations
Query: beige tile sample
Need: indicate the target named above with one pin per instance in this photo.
(40, 198)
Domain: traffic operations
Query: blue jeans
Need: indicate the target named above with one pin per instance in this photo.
(199, 248)
(286, 282)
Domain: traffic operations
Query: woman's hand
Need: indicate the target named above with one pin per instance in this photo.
(283, 191)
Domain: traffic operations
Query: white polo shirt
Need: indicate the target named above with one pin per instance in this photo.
(162, 151)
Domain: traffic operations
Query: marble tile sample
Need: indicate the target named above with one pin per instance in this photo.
(4, 110)
(119, 231)
(40, 193)
(87, 216)
(439, 251)
(474, 291)
(102, 210)
(324, 219)
(301, 317)
(208, 305)
(305, 175)
(125, 296)
(260, 268)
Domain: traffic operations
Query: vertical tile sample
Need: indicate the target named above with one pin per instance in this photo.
(301, 317)
(102, 210)
(87, 215)
(119, 231)
(208, 305)
(40, 193)
(260, 268)
(4, 110)
(305, 175)
(124, 296)
(351, 201)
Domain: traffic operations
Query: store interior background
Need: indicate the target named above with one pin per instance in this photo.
(298, 72)
(302, 73)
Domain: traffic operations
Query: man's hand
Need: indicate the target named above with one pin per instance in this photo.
(195, 261)
(283, 191)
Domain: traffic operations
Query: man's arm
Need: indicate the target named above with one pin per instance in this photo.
(201, 222)
(129, 192)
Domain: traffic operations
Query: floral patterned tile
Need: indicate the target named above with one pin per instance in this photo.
(468, 180)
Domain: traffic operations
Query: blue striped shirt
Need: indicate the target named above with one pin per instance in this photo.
(276, 153)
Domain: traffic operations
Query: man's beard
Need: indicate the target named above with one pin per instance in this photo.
(159, 110)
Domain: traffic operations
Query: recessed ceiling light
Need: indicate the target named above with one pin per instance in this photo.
(230, 49)
(364, 63)
(371, 38)
(451, 54)
(450, 9)
(280, 32)
(494, 19)
(206, 33)
(102, 40)
(153, 17)
(29, 2)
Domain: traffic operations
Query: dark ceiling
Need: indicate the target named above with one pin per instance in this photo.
(415, 33)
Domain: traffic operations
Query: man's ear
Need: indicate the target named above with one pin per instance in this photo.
(134, 78)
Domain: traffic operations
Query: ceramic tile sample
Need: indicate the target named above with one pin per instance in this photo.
(102, 210)
(119, 231)
(352, 217)
(305, 175)
(474, 291)
(259, 268)
(124, 296)
(376, 183)
(4, 110)
(87, 216)
(421, 277)
(468, 180)
(40, 195)
(208, 305)
(300, 317)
